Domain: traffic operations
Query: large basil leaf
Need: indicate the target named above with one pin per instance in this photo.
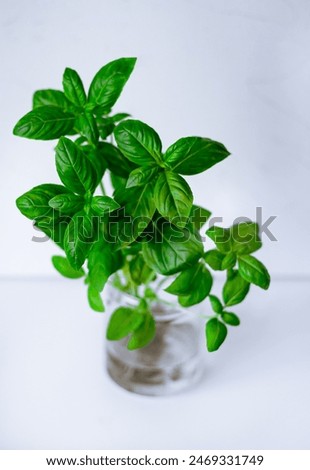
(123, 321)
(73, 87)
(216, 333)
(192, 155)
(142, 175)
(35, 203)
(214, 258)
(171, 249)
(252, 270)
(235, 289)
(74, 169)
(62, 265)
(67, 203)
(138, 142)
(144, 334)
(109, 82)
(78, 239)
(192, 286)
(173, 198)
(45, 123)
(138, 208)
(50, 98)
(115, 160)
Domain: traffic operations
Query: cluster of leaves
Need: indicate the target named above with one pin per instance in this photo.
(150, 226)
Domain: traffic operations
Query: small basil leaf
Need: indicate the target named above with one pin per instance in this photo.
(35, 203)
(229, 261)
(50, 98)
(109, 82)
(74, 169)
(78, 239)
(123, 321)
(216, 333)
(119, 117)
(173, 198)
(86, 125)
(62, 265)
(171, 249)
(138, 142)
(221, 237)
(216, 305)
(235, 289)
(245, 238)
(67, 203)
(95, 300)
(141, 176)
(103, 204)
(73, 87)
(254, 271)
(140, 272)
(144, 334)
(214, 258)
(199, 216)
(115, 160)
(230, 318)
(192, 155)
(45, 123)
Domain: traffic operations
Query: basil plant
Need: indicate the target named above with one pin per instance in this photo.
(149, 228)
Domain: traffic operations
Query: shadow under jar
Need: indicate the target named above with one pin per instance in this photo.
(172, 362)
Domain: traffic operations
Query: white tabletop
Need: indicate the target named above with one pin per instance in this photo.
(55, 393)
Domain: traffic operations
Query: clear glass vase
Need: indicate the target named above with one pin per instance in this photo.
(171, 363)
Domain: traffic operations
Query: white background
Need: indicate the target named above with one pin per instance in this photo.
(236, 71)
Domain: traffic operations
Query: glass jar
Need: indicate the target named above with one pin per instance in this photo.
(171, 362)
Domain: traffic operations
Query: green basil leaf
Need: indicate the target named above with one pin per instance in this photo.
(254, 271)
(142, 175)
(115, 160)
(105, 126)
(214, 258)
(245, 238)
(103, 204)
(103, 260)
(109, 82)
(173, 198)
(45, 123)
(201, 285)
(86, 125)
(137, 211)
(199, 216)
(74, 169)
(216, 305)
(229, 261)
(118, 182)
(192, 155)
(67, 203)
(78, 239)
(138, 142)
(73, 87)
(35, 203)
(62, 265)
(216, 333)
(50, 98)
(235, 289)
(144, 334)
(230, 318)
(140, 272)
(95, 300)
(95, 157)
(171, 249)
(119, 117)
(123, 321)
(195, 278)
(221, 237)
